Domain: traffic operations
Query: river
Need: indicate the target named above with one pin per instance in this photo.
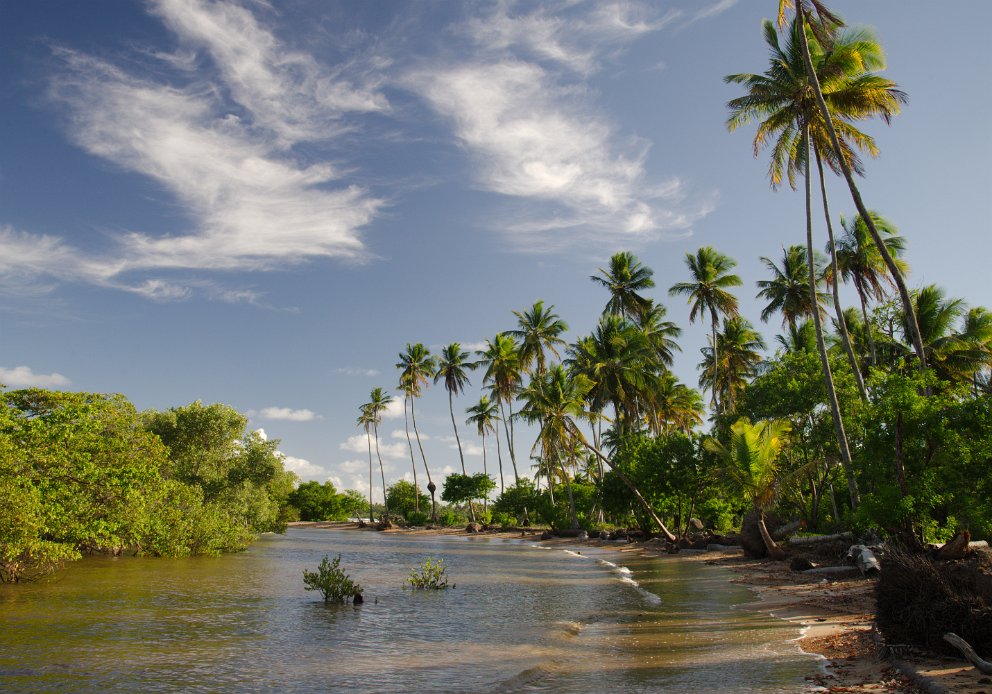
(521, 618)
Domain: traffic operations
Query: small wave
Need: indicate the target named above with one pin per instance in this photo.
(574, 554)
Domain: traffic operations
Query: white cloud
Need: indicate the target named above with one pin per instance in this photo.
(356, 371)
(711, 11)
(230, 166)
(394, 410)
(285, 414)
(401, 434)
(359, 444)
(303, 468)
(24, 377)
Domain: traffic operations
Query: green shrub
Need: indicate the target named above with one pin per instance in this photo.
(504, 520)
(332, 582)
(430, 575)
(417, 517)
(448, 517)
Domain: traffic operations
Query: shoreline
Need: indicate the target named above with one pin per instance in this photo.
(834, 615)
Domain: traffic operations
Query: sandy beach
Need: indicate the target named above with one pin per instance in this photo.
(835, 615)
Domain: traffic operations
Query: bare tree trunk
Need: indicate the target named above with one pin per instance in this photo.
(430, 483)
(845, 451)
(841, 323)
(461, 456)
(368, 435)
(890, 263)
(571, 499)
(413, 461)
(499, 456)
(864, 315)
(485, 471)
(382, 471)
(509, 442)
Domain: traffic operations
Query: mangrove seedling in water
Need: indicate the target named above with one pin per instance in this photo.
(430, 575)
(332, 582)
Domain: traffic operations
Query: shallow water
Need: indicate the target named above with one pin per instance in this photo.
(521, 618)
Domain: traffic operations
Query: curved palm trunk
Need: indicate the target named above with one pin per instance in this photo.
(368, 435)
(864, 315)
(509, 441)
(571, 499)
(499, 456)
(413, 461)
(774, 551)
(626, 480)
(716, 365)
(431, 487)
(890, 263)
(382, 471)
(485, 471)
(451, 409)
(845, 451)
(841, 323)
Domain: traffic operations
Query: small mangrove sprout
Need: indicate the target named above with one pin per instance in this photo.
(430, 575)
(332, 582)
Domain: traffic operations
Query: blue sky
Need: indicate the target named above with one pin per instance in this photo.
(261, 203)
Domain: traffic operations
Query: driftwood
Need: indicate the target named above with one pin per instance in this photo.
(833, 570)
(865, 560)
(817, 539)
(787, 529)
(983, 666)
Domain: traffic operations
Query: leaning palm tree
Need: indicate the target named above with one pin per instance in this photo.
(710, 278)
(860, 263)
(824, 23)
(416, 366)
(453, 366)
(751, 459)
(365, 420)
(501, 360)
(484, 416)
(624, 279)
(538, 330)
(787, 292)
(554, 401)
(378, 402)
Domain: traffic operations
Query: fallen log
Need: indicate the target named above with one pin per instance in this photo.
(983, 666)
(785, 530)
(833, 570)
(865, 560)
(817, 539)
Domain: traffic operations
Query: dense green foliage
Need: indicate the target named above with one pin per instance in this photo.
(322, 502)
(331, 580)
(404, 500)
(87, 473)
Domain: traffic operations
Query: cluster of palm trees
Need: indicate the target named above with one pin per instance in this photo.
(821, 82)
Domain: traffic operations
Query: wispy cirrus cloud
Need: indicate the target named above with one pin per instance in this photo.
(356, 371)
(536, 134)
(25, 377)
(215, 125)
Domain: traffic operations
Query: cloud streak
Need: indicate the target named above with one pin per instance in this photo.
(25, 377)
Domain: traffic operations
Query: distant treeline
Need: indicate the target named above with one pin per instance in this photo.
(84, 473)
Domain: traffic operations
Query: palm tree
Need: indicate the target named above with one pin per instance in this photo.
(453, 367)
(377, 404)
(624, 279)
(750, 459)
(957, 340)
(801, 338)
(554, 401)
(707, 291)
(824, 24)
(860, 263)
(416, 366)
(539, 329)
(501, 359)
(484, 416)
(659, 332)
(365, 420)
(788, 291)
(737, 349)
(673, 406)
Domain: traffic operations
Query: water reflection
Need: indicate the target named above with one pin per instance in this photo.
(520, 619)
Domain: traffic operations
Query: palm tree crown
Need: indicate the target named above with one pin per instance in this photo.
(539, 330)
(624, 279)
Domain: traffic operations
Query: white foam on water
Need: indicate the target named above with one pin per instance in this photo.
(624, 575)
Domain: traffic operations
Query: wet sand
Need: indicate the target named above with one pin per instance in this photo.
(836, 616)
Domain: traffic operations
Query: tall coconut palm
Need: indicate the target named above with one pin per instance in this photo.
(659, 332)
(453, 366)
(624, 279)
(416, 366)
(503, 373)
(538, 330)
(672, 406)
(801, 338)
(710, 278)
(484, 416)
(957, 339)
(751, 459)
(365, 420)
(378, 403)
(554, 401)
(824, 23)
(860, 263)
(787, 291)
(738, 346)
